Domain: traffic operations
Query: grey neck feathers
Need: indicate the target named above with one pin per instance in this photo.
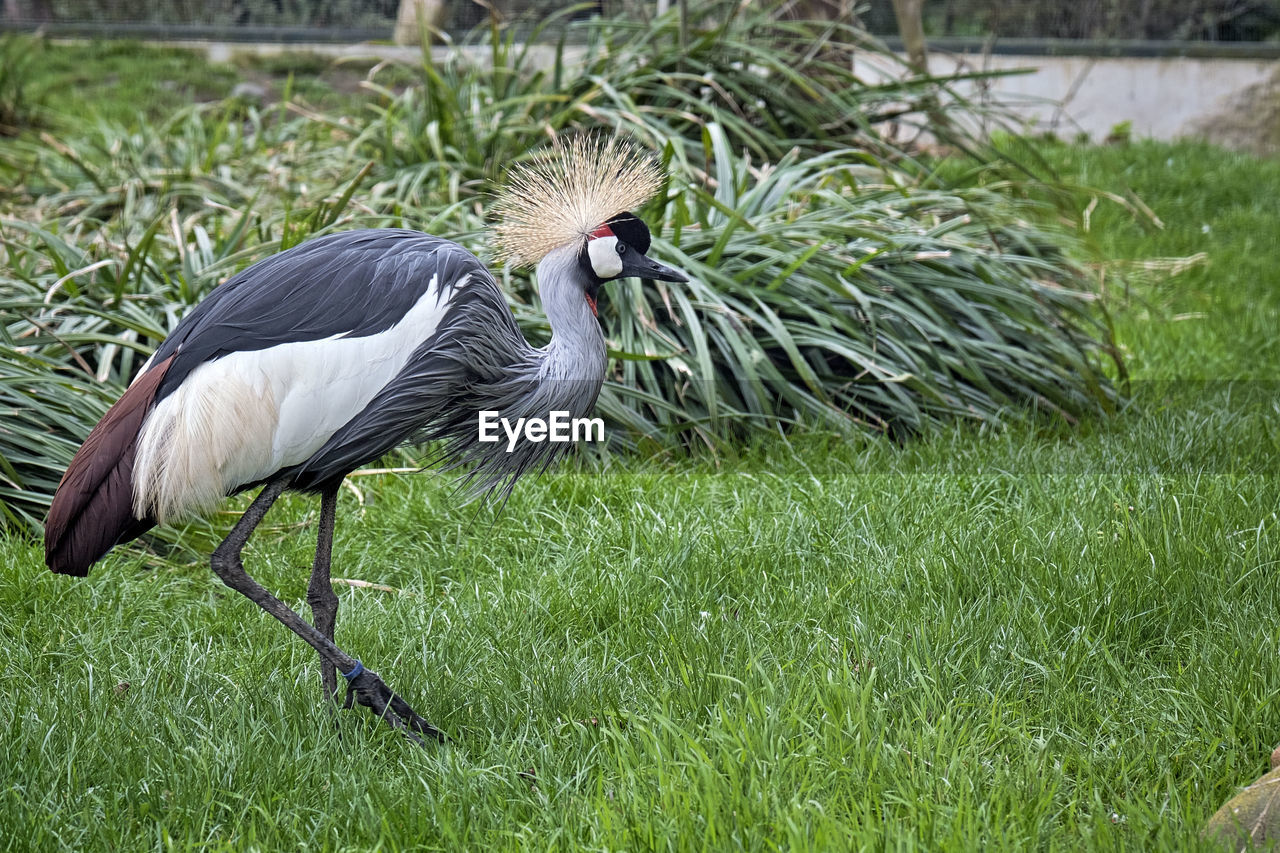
(563, 376)
(477, 360)
(577, 350)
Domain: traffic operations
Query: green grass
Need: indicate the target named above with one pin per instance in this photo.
(131, 83)
(1219, 319)
(121, 81)
(975, 641)
(978, 640)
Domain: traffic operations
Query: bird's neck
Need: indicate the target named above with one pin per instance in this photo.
(577, 350)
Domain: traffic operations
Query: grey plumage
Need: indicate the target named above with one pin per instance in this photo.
(352, 284)
(315, 361)
(478, 360)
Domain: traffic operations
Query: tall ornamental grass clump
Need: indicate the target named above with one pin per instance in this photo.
(825, 296)
(771, 85)
(838, 283)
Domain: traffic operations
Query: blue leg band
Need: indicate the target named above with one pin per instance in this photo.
(355, 670)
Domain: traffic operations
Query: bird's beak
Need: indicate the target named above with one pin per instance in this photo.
(637, 265)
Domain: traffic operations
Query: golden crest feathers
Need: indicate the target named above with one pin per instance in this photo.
(566, 192)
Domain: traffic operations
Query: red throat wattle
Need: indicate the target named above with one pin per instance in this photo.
(602, 231)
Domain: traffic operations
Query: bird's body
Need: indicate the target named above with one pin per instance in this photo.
(312, 362)
(242, 403)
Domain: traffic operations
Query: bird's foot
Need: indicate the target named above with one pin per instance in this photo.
(371, 691)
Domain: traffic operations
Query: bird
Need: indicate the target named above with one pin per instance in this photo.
(319, 359)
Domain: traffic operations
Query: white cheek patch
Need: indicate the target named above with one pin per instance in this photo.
(605, 259)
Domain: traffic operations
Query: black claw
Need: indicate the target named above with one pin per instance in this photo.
(372, 692)
(350, 701)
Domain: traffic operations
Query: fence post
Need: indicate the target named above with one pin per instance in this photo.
(910, 15)
(418, 21)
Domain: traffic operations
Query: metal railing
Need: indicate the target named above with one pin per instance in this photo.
(1223, 28)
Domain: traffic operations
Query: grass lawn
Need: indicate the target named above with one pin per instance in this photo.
(122, 81)
(972, 642)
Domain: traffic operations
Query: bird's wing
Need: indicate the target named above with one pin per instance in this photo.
(438, 392)
(352, 284)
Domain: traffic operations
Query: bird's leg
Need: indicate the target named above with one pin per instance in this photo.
(324, 604)
(364, 684)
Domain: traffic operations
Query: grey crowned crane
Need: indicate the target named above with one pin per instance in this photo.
(310, 363)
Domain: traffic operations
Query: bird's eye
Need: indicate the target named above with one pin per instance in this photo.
(622, 248)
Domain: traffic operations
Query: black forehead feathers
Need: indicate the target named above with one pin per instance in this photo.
(631, 230)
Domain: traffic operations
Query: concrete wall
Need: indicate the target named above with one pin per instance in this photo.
(1225, 99)
(1164, 97)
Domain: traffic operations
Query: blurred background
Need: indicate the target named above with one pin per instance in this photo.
(1151, 68)
(1162, 20)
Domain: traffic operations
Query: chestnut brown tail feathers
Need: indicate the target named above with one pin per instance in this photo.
(92, 510)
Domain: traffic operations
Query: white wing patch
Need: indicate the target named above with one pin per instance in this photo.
(246, 415)
(605, 259)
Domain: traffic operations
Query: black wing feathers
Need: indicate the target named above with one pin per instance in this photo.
(351, 284)
(477, 360)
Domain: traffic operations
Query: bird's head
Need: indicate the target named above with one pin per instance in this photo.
(619, 249)
(575, 198)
